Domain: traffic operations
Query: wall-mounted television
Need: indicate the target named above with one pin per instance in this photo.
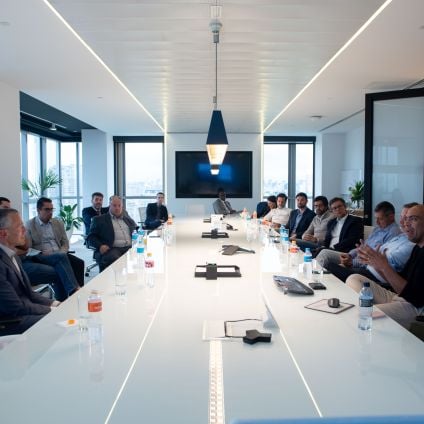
(193, 178)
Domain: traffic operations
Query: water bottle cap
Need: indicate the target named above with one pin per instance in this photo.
(307, 250)
(366, 284)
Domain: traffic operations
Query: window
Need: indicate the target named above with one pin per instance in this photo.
(139, 175)
(288, 166)
(40, 154)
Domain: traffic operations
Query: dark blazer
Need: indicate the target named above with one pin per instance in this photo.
(101, 230)
(351, 233)
(152, 213)
(89, 213)
(303, 225)
(17, 299)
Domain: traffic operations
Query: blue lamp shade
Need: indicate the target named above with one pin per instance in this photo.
(216, 143)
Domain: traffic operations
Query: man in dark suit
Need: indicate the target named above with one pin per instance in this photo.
(299, 218)
(344, 231)
(156, 213)
(20, 307)
(110, 234)
(95, 209)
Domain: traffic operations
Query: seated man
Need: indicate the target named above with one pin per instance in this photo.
(59, 273)
(300, 218)
(343, 232)
(314, 236)
(4, 203)
(110, 234)
(407, 300)
(156, 213)
(222, 205)
(20, 307)
(95, 209)
(279, 215)
(386, 228)
(47, 234)
(395, 246)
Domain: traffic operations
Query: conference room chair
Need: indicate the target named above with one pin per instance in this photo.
(142, 215)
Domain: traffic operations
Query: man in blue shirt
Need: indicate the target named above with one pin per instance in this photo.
(387, 237)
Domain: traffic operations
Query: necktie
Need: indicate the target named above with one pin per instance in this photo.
(15, 262)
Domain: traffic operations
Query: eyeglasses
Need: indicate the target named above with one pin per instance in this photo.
(48, 209)
(334, 208)
(412, 218)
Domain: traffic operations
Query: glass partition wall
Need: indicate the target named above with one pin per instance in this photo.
(394, 149)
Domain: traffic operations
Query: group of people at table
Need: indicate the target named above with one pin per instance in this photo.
(38, 253)
(391, 258)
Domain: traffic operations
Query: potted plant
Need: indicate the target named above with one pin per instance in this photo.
(45, 181)
(357, 193)
(66, 214)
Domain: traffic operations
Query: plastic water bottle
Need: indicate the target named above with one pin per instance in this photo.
(95, 307)
(293, 253)
(366, 300)
(140, 250)
(284, 239)
(149, 265)
(307, 264)
(134, 238)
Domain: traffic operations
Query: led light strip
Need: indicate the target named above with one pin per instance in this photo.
(135, 359)
(308, 389)
(216, 383)
(338, 53)
(97, 57)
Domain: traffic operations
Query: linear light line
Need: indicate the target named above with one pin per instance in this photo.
(115, 402)
(97, 57)
(308, 389)
(337, 54)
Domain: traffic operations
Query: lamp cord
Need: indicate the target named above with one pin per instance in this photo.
(216, 75)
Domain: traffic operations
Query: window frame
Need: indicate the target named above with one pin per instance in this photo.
(292, 142)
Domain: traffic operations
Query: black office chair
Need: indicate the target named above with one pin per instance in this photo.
(93, 264)
(41, 288)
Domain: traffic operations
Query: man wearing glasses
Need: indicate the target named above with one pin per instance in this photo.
(47, 234)
(343, 232)
(406, 301)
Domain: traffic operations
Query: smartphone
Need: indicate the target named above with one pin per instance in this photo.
(317, 286)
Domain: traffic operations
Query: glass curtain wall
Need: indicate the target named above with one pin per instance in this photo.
(288, 166)
(39, 155)
(140, 172)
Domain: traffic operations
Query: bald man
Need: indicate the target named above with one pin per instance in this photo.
(407, 300)
(110, 234)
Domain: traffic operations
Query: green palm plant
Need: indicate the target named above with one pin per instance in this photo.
(357, 192)
(46, 180)
(66, 214)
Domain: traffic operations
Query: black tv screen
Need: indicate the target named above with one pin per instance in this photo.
(194, 179)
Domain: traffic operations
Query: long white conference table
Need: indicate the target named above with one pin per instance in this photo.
(152, 365)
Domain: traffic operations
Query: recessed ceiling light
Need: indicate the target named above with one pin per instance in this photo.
(4, 23)
(315, 117)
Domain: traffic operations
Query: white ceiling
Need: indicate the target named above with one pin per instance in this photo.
(162, 51)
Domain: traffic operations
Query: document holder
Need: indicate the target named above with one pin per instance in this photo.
(214, 234)
(213, 271)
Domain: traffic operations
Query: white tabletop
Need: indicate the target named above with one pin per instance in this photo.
(153, 366)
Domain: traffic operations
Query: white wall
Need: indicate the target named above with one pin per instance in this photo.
(97, 164)
(10, 146)
(178, 142)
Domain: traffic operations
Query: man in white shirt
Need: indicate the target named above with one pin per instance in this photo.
(280, 215)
